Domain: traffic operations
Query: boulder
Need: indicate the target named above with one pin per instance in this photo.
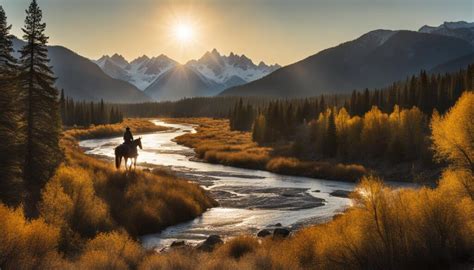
(263, 233)
(340, 193)
(210, 243)
(274, 225)
(178, 243)
(281, 232)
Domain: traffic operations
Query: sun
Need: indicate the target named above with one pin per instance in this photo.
(184, 33)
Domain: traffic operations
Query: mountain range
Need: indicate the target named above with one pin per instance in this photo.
(373, 60)
(162, 78)
(81, 79)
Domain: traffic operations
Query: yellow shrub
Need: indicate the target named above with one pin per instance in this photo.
(110, 248)
(27, 244)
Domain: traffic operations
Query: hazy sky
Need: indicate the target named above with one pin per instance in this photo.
(269, 30)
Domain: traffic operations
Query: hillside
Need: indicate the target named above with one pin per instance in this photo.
(81, 79)
(374, 60)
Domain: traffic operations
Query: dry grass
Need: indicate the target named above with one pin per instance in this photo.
(102, 131)
(324, 170)
(385, 229)
(214, 142)
(138, 201)
(89, 210)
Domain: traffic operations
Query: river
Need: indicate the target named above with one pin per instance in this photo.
(249, 199)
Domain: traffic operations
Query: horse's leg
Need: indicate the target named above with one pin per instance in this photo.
(135, 163)
(126, 161)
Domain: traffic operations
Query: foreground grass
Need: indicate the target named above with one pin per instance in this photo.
(214, 142)
(103, 131)
(385, 229)
(89, 210)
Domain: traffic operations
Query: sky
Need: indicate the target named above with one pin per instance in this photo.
(274, 31)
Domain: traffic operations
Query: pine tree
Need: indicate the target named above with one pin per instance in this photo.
(330, 144)
(42, 123)
(11, 186)
(102, 116)
(62, 107)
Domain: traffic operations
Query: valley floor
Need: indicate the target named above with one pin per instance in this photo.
(214, 142)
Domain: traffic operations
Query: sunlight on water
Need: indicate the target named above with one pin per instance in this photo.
(250, 200)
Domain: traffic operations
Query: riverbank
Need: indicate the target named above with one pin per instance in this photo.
(90, 210)
(214, 142)
(137, 125)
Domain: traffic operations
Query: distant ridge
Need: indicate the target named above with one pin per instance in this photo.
(373, 60)
(207, 76)
(81, 79)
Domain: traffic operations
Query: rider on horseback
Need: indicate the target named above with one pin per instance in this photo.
(127, 136)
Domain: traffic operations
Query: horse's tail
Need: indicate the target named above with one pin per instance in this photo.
(118, 160)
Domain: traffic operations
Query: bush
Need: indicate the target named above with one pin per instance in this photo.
(27, 244)
(239, 247)
(70, 198)
(112, 250)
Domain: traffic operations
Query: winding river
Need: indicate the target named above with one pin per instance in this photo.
(249, 199)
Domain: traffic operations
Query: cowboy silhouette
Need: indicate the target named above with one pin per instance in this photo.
(127, 136)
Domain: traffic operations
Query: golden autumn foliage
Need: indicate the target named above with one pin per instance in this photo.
(27, 244)
(101, 131)
(453, 133)
(88, 208)
(214, 142)
(385, 229)
(112, 250)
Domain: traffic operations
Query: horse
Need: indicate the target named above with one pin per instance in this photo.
(127, 151)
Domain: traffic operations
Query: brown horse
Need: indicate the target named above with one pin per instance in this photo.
(127, 151)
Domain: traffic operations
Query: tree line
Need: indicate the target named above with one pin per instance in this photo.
(30, 123)
(82, 113)
(425, 92)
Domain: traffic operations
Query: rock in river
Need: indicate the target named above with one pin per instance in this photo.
(340, 193)
(263, 233)
(178, 243)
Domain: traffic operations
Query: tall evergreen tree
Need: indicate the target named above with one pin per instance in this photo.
(62, 107)
(10, 155)
(42, 123)
(330, 145)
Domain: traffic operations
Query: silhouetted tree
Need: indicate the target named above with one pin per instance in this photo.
(41, 101)
(11, 186)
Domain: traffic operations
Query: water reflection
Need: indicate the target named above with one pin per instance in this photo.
(250, 199)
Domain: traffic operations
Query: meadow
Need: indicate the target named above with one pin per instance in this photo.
(214, 142)
(90, 215)
(88, 209)
(137, 125)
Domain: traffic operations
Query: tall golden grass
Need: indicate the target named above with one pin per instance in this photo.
(110, 130)
(214, 142)
(385, 229)
(90, 213)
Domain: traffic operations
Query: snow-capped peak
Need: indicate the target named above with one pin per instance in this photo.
(463, 30)
(140, 60)
(446, 25)
(140, 72)
(219, 69)
(223, 69)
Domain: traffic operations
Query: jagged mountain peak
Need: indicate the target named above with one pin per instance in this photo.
(461, 29)
(446, 25)
(119, 60)
(140, 60)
